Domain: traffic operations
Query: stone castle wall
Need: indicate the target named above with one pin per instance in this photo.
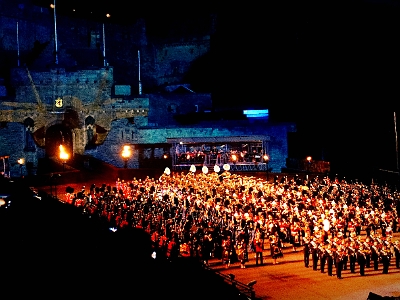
(147, 135)
(11, 144)
(165, 107)
(155, 137)
(85, 81)
(80, 45)
(86, 85)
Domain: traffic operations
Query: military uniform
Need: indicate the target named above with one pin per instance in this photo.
(385, 256)
(362, 260)
(329, 260)
(259, 247)
(352, 255)
(339, 262)
(306, 251)
(322, 258)
(375, 255)
(314, 255)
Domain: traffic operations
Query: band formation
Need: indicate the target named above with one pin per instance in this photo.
(338, 225)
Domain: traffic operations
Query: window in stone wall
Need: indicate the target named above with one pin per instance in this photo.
(172, 108)
(90, 132)
(90, 136)
(95, 39)
(29, 141)
(159, 152)
(147, 153)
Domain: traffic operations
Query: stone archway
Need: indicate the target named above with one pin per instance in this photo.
(57, 135)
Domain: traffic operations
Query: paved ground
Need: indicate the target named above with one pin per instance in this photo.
(289, 279)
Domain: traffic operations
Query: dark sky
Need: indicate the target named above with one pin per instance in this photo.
(331, 66)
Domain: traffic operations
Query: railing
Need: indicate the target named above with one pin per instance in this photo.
(244, 289)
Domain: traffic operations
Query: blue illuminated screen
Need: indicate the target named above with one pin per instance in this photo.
(256, 113)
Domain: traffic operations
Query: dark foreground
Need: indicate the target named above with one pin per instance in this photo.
(50, 250)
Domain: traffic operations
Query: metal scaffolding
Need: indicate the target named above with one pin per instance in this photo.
(242, 153)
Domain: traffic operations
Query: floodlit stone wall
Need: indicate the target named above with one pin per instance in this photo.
(80, 45)
(86, 85)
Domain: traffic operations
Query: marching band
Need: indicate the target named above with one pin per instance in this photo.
(336, 252)
(226, 216)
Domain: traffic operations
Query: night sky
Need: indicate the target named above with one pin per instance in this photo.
(330, 66)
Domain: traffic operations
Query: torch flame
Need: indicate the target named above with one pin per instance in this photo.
(63, 154)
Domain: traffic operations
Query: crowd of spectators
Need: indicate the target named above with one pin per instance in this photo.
(227, 216)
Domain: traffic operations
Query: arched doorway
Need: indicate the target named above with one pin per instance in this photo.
(57, 135)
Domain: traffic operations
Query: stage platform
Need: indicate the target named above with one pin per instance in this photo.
(238, 167)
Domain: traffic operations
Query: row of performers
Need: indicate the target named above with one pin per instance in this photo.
(218, 156)
(339, 253)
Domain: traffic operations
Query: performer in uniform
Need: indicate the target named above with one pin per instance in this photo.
(314, 254)
(385, 256)
(162, 247)
(295, 232)
(339, 253)
(240, 251)
(375, 255)
(329, 260)
(259, 246)
(367, 250)
(362, 259)
(322, 257)
(172, 249)
(206, 248)
(226, 251)
(352, 255)
(306, 250)
(275, 249)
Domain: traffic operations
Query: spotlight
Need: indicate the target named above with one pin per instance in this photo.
(234, 158)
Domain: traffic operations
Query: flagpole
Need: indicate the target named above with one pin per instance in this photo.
(55, 34)
(18, 45)
(104, 47)
(140, 83)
